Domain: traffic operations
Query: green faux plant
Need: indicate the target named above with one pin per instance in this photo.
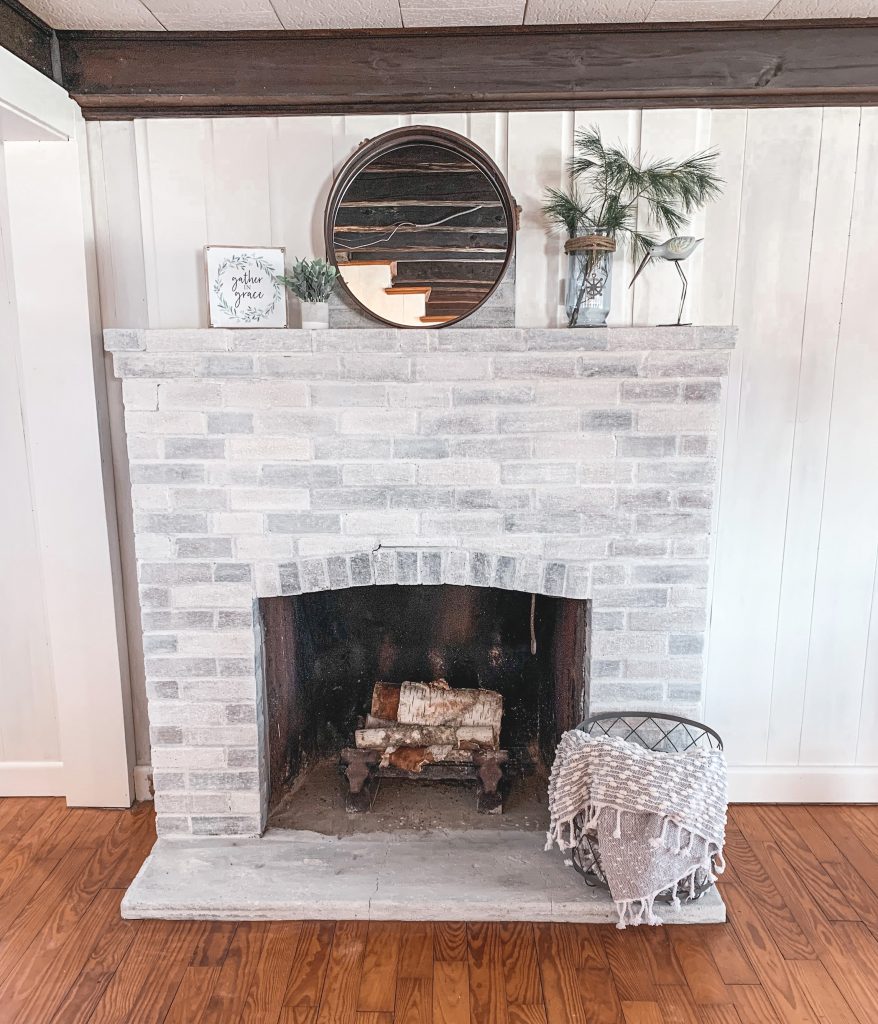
(311, 280)
(608, 186)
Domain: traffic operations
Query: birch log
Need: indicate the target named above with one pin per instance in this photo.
(385, 701)
(397, 734)
(437, 703)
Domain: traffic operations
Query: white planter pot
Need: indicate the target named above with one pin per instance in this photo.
(315, 316)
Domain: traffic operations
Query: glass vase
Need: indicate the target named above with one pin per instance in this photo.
(589, 280)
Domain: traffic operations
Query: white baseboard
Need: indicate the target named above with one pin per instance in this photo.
(143, 782)
(32, 778)
(803, 784)
(748, 784)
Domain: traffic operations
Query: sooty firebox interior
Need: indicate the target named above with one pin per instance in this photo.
(325, 651)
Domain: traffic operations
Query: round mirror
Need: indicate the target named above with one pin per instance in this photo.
(421, 225)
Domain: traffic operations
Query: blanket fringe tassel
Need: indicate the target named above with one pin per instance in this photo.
(682, 842)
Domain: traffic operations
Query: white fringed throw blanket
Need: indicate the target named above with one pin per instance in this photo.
(659, 817)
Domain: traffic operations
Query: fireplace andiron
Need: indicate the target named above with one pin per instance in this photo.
(428, 732)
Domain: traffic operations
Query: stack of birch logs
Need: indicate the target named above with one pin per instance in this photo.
(428, 731)
(416, 724)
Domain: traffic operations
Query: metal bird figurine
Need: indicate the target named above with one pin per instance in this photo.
(675, 250)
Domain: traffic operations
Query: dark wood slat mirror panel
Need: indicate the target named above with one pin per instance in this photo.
(421, 224)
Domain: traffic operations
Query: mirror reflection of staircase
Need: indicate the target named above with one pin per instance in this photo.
(394, 254)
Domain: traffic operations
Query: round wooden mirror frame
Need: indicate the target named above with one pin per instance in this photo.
(370, 150)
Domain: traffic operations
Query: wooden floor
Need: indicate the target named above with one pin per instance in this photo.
(802, 946)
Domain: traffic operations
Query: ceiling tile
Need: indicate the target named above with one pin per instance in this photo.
(585, 12)
(710, 10)
(345, 14)
(431, 13)
(825, 9)
(216, 15)
(95, 14)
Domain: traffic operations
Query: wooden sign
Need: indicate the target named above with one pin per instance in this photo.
(243, 289)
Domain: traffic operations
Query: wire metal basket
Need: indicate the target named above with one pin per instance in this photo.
(666, 733)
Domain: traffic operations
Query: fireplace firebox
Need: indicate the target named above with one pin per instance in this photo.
(325, 652)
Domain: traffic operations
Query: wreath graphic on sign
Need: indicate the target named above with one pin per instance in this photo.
(247, 314)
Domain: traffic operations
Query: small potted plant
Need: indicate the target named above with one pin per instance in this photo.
(599, 213)
(312, 281)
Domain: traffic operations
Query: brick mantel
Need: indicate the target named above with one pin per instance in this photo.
(574, 462)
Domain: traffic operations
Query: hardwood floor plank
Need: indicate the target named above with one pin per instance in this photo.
(305, 983)
(373, 1017)
(338, 1002)
(731, 961)
(17, 816)
(626, 953)
(297, 1015)
(29, 851)
(214, 945)
(451, 990)
(146, 982)
(449, 940)
(828, 938)
(641, 1013)
(487, 991)
(524, 1013)
(822, 992)
(750, 821)
(677, 1005)
(664, 967)
(521, 972)
(54, 908)
(42, 977)
(845, 876)
(719, 1015)
(863, 860)
(416, 955)
(269, 984)
(851, 957)
(781, 986)
(414, 1001)
(193, 995)
(126, 847)
(702, 976)
(600, 1000)
(835, 907)
(787, 934)
(236, 974)
(817, 841)
(88, 987)
(558, 960)
(753, 1005)
(586, 941)
(380, 966)
(864, 823)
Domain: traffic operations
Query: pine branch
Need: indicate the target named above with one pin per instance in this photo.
(615, 182)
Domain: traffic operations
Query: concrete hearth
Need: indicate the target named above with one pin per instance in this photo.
(485, 875)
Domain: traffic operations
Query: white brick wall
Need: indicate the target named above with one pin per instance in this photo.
(578, 463)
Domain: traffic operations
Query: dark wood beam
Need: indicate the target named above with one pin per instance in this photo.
(161, 74)
(29, 38)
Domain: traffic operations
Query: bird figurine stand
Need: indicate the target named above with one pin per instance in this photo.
(674, 250)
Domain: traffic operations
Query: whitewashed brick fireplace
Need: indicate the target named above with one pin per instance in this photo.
(267, 463)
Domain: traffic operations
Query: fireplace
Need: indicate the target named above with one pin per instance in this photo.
(325, 652)
(289, 486)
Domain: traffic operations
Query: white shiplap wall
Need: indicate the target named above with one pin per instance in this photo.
(789, 257)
